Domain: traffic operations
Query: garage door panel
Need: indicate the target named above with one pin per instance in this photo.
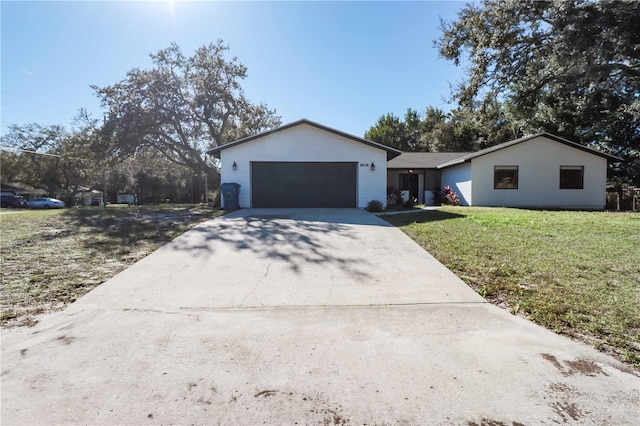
(303, 184)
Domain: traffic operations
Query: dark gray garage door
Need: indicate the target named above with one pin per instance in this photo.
(286, 184)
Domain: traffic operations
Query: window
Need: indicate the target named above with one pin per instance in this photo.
(505, 177)
(571, 177)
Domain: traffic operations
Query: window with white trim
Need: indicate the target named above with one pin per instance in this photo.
(505, 177)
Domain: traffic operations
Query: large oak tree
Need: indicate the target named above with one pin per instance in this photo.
(569, 67)
(182, 106)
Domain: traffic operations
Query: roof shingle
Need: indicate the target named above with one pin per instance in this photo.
(472, 155)
(423, 160)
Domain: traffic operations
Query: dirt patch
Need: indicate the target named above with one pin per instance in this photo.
(65, 340)
(488, 422)
(334, 418)
(553, 360)
(584, 367)
(567, 410)
(565, 390)
(317, 408)
(563, 405)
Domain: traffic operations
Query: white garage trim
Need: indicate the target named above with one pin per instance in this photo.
(306, 141)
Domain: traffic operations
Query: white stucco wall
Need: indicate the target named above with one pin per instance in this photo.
(539, 162)
(307, 143)
(459, 179)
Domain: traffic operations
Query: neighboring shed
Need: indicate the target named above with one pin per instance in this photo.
(541, 171)
(88, 197)
(305, 164)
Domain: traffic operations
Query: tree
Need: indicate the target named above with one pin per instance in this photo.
(404, 134)
(566, 67)
(52, 158)
(389, 131)
(153, 178)
(38, 150)
(10, 165)
(182, 106)
(82, 159)
(461, 130)
(414, 132)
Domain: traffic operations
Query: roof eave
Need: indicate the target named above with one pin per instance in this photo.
(411, 167)
(578, 146)
(391, 152)
(525, 139)
(453, 163)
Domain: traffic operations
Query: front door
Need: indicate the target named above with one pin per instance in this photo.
(409, 182)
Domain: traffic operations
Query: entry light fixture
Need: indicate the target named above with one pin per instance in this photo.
(234, 166)
(373, 166)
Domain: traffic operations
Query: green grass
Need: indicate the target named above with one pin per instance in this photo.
(52, 257)
(577, 273)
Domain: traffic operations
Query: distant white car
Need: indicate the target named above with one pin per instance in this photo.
(45, 203)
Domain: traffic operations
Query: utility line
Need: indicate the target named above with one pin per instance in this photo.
(9, 148)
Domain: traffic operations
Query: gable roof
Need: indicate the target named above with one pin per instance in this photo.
(391, 152)
(472, 155)
(423, 160)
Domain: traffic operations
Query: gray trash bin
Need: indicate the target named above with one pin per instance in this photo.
(231, 196)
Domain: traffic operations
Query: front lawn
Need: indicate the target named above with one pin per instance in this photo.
(577, 273)
(52, 257)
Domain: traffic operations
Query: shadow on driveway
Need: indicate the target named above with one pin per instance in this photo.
(293, 257)
(295, 236)
(278, 319)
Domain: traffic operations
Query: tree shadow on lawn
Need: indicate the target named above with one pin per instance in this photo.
(53, 258)
(420, 217)
(121, 230)
(295, 242)
(271, 237)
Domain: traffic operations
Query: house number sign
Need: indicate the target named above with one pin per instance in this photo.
(364, 164)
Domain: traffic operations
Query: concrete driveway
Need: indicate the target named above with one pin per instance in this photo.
(301, 316)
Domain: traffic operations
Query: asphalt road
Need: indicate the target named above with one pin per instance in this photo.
(301, 316)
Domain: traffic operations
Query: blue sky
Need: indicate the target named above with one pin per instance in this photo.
(342, 64)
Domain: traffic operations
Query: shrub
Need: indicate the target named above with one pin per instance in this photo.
(375, 206)
(394, 196)
(410, 203)
(449, 196)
